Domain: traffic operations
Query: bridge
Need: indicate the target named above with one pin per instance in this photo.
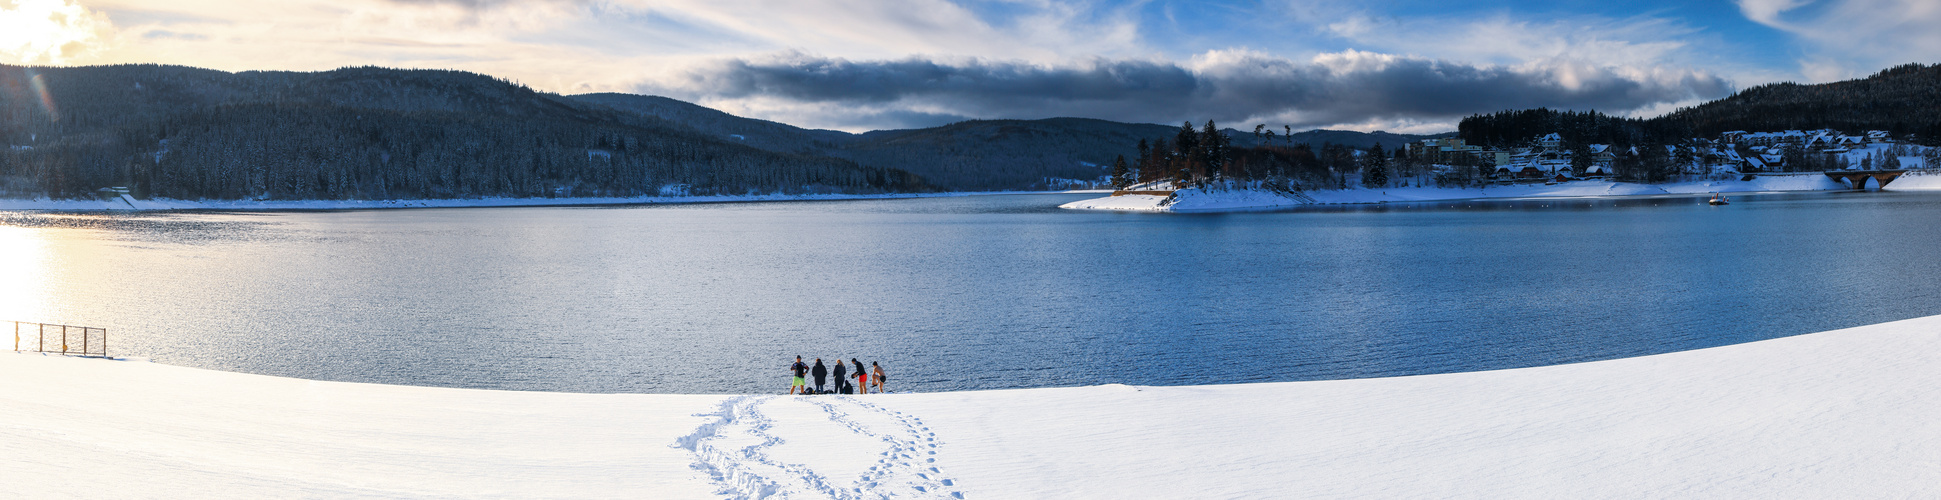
(1858, 178)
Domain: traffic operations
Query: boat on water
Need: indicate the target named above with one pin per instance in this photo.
(1719, 200)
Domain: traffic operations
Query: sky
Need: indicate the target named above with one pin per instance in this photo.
(1397, 65)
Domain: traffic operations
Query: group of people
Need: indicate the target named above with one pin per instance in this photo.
(820, 373)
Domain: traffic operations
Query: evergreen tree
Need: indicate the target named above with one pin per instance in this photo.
(1375, 167)
(1121, 175)
(1580, 157)
(1213, 150)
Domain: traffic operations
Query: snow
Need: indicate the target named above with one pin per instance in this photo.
(1915, 181)
(1845, 413)
(1195, 200)
(671, 194)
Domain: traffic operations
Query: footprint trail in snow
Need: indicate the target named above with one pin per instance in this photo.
(817, 447)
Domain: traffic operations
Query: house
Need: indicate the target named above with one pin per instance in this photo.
(1601, 154)
(1878, 136)
(1520, 172)
(1551, 141)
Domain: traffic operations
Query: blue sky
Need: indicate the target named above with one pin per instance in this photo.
(1398, 65)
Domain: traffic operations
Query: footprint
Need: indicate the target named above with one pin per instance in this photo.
(948, 482)
(957, 495)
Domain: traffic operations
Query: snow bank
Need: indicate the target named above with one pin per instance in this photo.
(1130, 202)
(1195, 200)
(1841, 414)
(129, 203)
(1915, 181)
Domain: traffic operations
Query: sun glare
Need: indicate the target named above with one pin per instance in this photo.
(48, 31)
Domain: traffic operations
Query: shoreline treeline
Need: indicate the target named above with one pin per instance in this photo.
(1207, 158)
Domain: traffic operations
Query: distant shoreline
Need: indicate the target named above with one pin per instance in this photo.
(1214, 201)
(126, 203)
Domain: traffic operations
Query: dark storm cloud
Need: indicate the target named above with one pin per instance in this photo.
(1350, 87)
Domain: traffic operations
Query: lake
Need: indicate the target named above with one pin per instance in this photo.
(979, 292)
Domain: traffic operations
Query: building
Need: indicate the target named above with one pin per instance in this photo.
(1551, 141)
(1445, 151)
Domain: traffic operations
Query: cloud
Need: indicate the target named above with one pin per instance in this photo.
(1349, 88)
(1852, 38)
(165, 34)
(51, 31)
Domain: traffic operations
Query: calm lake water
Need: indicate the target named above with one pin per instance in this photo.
(965, 293)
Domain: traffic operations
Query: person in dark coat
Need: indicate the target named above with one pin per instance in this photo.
(842, 382)
(820, 373)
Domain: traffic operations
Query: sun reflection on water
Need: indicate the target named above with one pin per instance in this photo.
(23, 269)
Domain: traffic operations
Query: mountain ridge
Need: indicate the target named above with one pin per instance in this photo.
(979, 154)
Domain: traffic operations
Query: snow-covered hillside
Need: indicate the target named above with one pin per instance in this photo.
(1841, 414)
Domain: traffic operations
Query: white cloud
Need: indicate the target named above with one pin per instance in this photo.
(591, 45)
(1021, 58)
(51, 31)
(1852, 38)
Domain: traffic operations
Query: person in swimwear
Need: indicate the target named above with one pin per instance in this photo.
(876, 371)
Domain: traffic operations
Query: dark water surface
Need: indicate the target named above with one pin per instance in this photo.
(965, 293)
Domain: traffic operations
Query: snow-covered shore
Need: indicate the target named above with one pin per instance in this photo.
(130, 203)
(1195, 200)
(1847, 413)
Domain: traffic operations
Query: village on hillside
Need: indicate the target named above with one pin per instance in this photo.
(1552, 159)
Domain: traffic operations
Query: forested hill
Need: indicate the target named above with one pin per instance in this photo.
(1904, 100)
(366, 133)
(969, 155)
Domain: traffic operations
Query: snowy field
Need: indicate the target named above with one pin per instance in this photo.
(1194, 200)
(126, 202)
(1841, 414)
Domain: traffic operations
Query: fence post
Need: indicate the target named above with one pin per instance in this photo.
(63, 339)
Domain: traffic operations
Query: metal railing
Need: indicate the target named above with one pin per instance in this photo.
(62, 339)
